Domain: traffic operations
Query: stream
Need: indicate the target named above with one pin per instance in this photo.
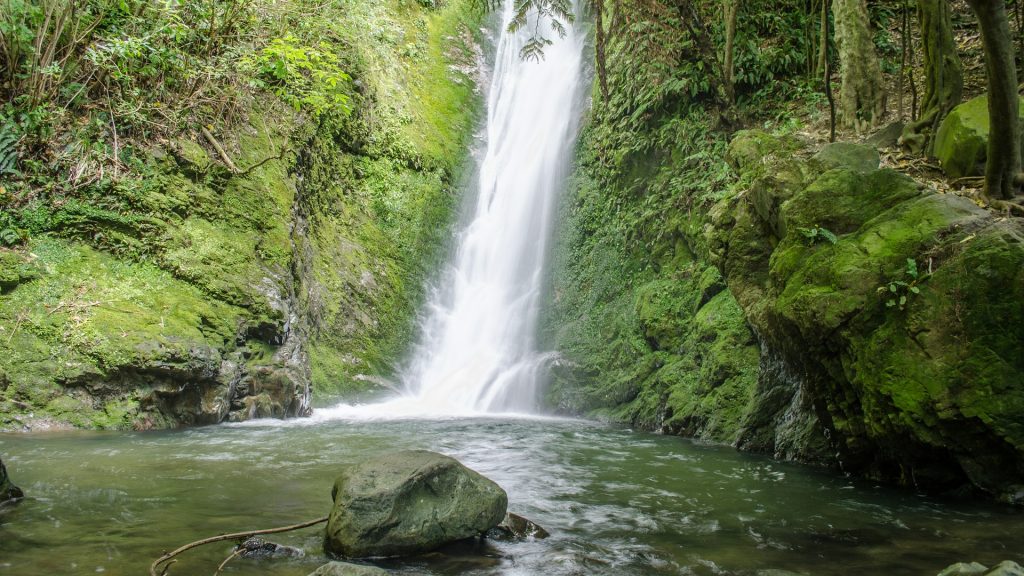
(616, 502)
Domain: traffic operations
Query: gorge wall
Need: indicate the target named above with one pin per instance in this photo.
(211, 293)
(754, 289)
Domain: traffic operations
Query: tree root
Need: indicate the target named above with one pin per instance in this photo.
(1010, 208)
(167, 558)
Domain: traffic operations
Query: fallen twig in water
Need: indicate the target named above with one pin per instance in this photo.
(167, 558)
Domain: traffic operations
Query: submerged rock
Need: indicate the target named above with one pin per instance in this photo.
(259, 548)
(8, 491)
(347, 569)
(515, 527)
(964, 569)
(1006, 568)
(409, 502)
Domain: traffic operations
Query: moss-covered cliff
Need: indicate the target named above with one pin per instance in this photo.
(753, 289)
(193, 291)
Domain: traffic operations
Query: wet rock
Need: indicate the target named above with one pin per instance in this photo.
(964, 569)
(409, 502)
(8, 491)
(515, 527)
(1006, 568)
(347, 569)
(259, 548)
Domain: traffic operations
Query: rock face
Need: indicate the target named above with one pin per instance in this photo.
(409, 502)
(961, 144)
(8, 491)
(193, 294)
(879, 347)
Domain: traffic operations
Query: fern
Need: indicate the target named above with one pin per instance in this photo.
(8, 150)
(557, 12)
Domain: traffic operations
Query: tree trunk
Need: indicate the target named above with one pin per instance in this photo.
(944, 79)
(823, 37)
(599, 48)
(1003, 164)
(861, 98)
(731, 7)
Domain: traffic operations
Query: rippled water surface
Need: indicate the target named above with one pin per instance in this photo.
(615, 501)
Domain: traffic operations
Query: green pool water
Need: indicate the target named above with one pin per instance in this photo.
(616, 502)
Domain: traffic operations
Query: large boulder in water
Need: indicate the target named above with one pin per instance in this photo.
(409, 502)
(8, 491)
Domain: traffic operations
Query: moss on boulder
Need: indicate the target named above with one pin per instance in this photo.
(924, 392)
(961, 144)
(409, 502)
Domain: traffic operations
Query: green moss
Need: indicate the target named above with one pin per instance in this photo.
(90, 313)
(929, 393)
(962, 140)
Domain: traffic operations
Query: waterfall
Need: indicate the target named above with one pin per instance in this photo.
(477, 351)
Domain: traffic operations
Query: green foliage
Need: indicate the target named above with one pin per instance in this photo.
(556, 13)
(817, 234)
(306, 77)
(898, 291)
(8, 151)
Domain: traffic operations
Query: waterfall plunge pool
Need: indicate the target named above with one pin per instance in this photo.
(616, 502)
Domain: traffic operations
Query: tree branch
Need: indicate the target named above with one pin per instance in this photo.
(170, 555)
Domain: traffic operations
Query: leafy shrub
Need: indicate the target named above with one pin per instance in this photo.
(307, 77)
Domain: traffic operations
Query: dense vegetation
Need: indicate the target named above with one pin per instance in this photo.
(776, 294)
(210, 206)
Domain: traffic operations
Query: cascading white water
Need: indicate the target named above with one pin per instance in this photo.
(477, 352)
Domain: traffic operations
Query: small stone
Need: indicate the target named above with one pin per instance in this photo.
(963, 569)
(886, 137)
(347, 569)
(515, 527)
(1006, 568)
(259, 548)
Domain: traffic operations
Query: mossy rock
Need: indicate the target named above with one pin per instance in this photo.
(15, 268)
(961, 144)
(855, 157)
(409, 502)
(923, 392)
